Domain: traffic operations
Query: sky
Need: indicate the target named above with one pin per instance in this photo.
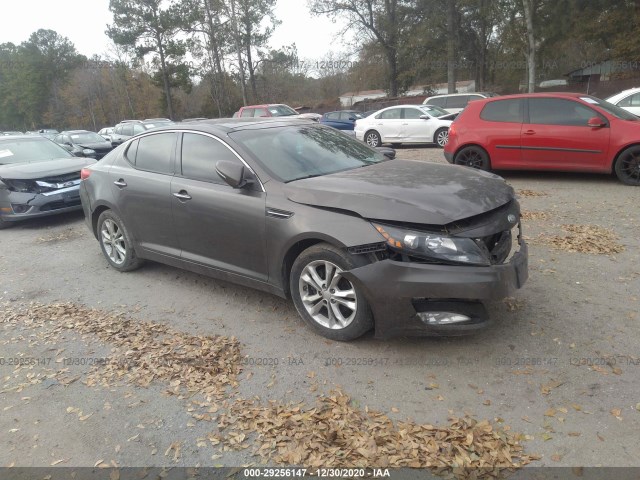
(84, 23)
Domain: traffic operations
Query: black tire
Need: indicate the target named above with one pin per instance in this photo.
(373, 139)
(119, 252)
(353, 318)
(474, 157)
(627, 166)
(441, 137)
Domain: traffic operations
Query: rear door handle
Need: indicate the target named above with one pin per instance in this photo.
(529, 132)
(182, 195)
(120, 183)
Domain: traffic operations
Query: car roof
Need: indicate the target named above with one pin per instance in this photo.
(22, 136)
(69, 132)
(623, 93)
(227, 125)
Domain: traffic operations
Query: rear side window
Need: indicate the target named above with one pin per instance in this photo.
(504, 111)
(457, 101)
(154, 153)
(557, 111)
(438, 101)
(137, 129)
(127, 130)
(247, 112)
(199, 156)
(393, 114)
(260, 112)
(332, 116)
(630, 101)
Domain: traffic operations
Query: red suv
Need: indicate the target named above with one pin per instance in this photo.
(550, 131)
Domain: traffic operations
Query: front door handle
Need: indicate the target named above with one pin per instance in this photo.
(120, 183)
(182, 195)
(530, 132)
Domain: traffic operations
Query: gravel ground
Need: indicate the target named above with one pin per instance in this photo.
(560, 363)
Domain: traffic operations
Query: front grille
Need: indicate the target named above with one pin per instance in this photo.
(66, 177)
(501, 246)
(370, 248)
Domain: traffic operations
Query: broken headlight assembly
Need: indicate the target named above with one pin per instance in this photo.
(433, 246)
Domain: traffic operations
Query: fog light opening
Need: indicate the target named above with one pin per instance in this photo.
(442, 318)
(20, 207)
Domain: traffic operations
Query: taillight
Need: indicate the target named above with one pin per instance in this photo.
(84, 173)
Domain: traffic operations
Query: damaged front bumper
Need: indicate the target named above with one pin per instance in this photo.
(16, 206)
(409, 298)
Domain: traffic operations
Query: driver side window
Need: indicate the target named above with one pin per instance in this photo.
(200, 154)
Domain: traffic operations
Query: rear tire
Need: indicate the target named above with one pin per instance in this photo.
(474, 157)
(327, 301)
(627, 166)
(373, 139)
(116, 242)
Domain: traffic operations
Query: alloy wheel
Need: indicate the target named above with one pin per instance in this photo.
(442, 138)
(629, 167)
(113, 241)
(329, 297)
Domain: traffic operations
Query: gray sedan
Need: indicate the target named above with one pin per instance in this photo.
(356, 240)
(37, 178)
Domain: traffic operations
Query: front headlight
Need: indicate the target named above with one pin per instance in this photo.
(433, 246)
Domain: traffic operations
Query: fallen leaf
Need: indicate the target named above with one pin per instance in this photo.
(600, 437)
(574, 434)
(62, 460)
(616, 412)
(556, 458)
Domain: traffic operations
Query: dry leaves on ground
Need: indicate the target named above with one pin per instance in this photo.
(591, 239)
(334, 433)
(144, 351)
(528, 215)
(530, 193)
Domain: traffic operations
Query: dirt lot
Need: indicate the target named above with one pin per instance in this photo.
(557, 372)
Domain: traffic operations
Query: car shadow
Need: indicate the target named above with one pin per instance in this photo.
(59, 220)
(558, 177)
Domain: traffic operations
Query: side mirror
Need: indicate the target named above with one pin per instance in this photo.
(233, 174)
(353, 119)
(595, 122)
(425, 117)
(388, 152)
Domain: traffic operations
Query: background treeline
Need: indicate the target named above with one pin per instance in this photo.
(193, 58)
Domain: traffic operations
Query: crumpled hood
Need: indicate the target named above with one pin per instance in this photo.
(28, 171)
(406, 191)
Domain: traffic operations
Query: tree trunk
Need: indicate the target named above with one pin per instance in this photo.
(451, 46)
(165, 78)
(252, 76)
(236, 35)
(531, 45)
(218, 77)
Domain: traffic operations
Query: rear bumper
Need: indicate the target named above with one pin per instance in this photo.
(399, 291)
(448, 157)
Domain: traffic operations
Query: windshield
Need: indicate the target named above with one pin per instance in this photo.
(611, 108)
(296, 152)
(433, 110)
(281, 110)
(30, 150)
(88, 137)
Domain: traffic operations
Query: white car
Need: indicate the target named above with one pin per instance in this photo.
(455, 102)
(627, 99)
(404, 124)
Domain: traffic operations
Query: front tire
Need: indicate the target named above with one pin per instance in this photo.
(474, 157)
(326, 300)
(372, 138)
(116, 242)
(627, 166)
(441, 137)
